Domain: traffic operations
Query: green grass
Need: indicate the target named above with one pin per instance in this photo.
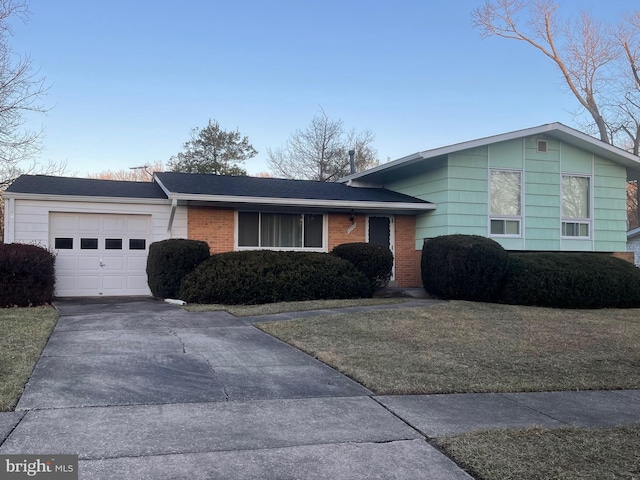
(284, 307)
(23, 334)
(541, 454)
(475, 347)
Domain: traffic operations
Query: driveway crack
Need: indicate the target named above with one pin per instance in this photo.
(214, 374)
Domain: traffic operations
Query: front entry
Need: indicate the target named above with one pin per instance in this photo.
(380, 231)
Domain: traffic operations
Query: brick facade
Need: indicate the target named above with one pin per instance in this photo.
(216, 226)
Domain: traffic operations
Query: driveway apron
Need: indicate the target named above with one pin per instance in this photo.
(144, 389)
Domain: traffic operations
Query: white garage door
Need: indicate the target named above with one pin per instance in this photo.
(100, 254)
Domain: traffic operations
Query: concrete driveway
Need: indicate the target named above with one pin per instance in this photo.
(146, 390)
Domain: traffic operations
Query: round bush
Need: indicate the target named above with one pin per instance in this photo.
(571, 280)
(27, 275)
(375, 261)
(169, 261)
(463, 267)
(263, 276)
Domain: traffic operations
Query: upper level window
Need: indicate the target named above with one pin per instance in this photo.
(280, 230)
(576, 206)
(505, 202)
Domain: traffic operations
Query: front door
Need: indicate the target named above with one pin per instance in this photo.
(380, 231)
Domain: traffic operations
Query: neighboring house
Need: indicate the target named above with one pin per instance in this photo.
(633, 244)
(543, 188)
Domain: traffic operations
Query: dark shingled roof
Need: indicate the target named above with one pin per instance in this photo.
(203, 184)
(85, 187)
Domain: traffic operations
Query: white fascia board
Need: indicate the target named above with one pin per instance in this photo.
(557, 130)
(164, 189)
(305, 202)
(633, 233)
(84, 199)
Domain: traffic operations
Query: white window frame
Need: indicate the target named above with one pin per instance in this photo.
(284, 249)
(506, 218)
(577, 221)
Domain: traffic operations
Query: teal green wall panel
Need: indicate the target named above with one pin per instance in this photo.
(506, 154)
(575, 160)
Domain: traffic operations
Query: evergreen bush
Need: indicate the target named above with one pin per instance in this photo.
(264, 276)
(463, 267)
(571, 280)
(169, 261)
(27, 275)
(375, 261)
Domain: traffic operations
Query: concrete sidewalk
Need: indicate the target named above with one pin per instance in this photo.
(146, 390)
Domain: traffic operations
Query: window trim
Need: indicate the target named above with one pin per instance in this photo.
(506, 218)
(238, 247)
(577, 220)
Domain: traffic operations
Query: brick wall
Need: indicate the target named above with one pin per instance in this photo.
(339, 226)
(216, 226)
(407, 258)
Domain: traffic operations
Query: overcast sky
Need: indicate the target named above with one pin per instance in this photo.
(129, 79)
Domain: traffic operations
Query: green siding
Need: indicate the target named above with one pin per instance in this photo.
(506, 155)
(458, 184)
(575, 160)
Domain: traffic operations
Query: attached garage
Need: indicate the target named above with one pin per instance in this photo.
(100, 230)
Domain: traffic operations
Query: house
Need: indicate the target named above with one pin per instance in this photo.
(633, 244)
(543, 188)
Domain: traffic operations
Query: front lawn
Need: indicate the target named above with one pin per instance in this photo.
(23, 334)
(541, 454)
(475, 347)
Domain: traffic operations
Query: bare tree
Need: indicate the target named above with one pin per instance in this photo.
(143, 173)
(320, 151)
(21, 89)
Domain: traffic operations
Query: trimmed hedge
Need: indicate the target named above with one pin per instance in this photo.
(475, 268)
(169, 261)
(571, 280)
(264, 276)
(463, 267)
(27, 275)
(375, 261)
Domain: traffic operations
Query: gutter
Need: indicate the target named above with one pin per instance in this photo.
(174, 205)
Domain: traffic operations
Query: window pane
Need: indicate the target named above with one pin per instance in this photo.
(513, 227)
(248, 229)
(63, 243)
(574, 229)
(497, 227)
(137, 244)
(113, 244)
(575, 197)
(281, 230)
(313, 231)
(89, 243)
(505, 192)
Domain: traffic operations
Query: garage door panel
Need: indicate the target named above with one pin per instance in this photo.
(101, 259)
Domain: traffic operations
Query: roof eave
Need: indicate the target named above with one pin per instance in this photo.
(83, 198)
(557, 130)
(306, 202)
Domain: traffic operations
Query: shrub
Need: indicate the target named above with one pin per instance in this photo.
(27, 275)
(169, 261)
(463, 267)
(263, 276)
(375, 261)
(571, 280)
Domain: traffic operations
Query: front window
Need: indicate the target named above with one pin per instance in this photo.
(280, 230)
(576, 206)
(506, 202)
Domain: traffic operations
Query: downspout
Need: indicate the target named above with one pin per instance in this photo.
(174, 205)
(9, 220)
